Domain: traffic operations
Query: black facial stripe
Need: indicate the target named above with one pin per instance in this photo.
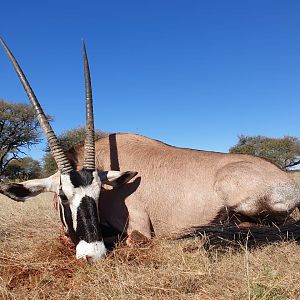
(62, 196)
(81, 178)
(68, 220)
(88, 227)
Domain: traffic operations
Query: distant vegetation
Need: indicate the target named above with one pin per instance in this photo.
(19, 129)
(284, 152)
(23, 169)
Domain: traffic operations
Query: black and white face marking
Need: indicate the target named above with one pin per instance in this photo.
(78, 194)
(78, 200)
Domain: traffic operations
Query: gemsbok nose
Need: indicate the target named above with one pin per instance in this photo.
(91, 252)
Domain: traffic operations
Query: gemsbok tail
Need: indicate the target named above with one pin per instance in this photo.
(218, 234)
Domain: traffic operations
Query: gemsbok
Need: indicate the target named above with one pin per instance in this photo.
(179, 192)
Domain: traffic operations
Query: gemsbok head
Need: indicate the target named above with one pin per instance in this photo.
(78, 191)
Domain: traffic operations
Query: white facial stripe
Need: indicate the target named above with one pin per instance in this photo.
(74, 216)
(62, 214)
(67, 186)
(90, 251)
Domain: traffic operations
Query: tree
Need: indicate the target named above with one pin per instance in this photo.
(23, 169)
(67, 139)
(284, 152)
(49, 165)
(19, 129)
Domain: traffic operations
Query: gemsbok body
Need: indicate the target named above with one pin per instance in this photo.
(176, 189)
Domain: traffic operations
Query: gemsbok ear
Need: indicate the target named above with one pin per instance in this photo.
(116, 178)
(28, 189)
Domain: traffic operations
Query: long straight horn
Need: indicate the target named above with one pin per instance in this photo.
(89, 144)
(56, 150)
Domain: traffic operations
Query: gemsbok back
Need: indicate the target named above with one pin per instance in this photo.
(181, 192)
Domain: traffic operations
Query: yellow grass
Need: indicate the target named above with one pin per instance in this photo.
(35, 265)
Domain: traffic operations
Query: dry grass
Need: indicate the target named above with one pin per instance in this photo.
(34, 265)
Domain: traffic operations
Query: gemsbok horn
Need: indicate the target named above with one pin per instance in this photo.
(78, 191)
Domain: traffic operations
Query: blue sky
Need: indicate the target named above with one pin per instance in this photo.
(190, 73)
